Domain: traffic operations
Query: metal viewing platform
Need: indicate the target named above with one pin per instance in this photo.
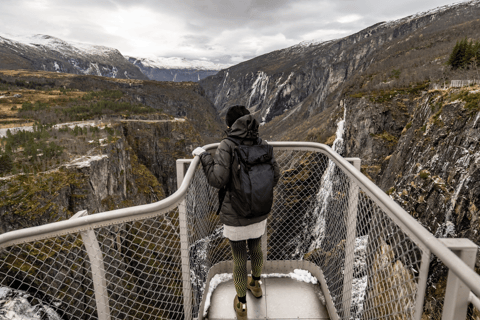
(372, 259)
(283, 298)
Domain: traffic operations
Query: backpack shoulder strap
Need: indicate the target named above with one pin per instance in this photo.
(222, 192)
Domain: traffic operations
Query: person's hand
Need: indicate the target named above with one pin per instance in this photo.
(198, 151)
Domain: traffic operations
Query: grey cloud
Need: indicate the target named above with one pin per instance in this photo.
(204, 21)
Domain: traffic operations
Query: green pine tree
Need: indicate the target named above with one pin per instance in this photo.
(455, 59)
(465, 54)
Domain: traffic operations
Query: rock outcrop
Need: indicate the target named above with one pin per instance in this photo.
(423, 150)
(112, 179)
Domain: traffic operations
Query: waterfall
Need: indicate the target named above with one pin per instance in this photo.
(325, 192)
(314, 231)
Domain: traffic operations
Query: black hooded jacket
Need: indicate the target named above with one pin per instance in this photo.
(217, 168)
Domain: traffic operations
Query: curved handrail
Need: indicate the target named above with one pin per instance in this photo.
(450, 259)
(107, 217)
(468, 276)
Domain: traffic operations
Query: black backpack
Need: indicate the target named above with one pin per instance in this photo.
(251, 179)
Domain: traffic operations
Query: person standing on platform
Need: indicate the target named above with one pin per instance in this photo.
(245, 171)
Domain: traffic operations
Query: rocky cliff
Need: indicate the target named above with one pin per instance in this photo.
(138, 168)
(305, 79)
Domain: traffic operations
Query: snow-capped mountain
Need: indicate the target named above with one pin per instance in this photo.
(176, 69)
(299, 79)
(43, 52)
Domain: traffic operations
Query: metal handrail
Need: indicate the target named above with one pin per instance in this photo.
(100, 219)
(473, 299)
(452, 261)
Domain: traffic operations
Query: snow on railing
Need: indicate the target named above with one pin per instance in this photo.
(372, 259)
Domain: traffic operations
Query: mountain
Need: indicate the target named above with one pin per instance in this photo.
(307, 78)
(43, 52)
(176, 69)
(47, 53)
(390, 90)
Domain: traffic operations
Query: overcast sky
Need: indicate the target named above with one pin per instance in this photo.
(225, 31)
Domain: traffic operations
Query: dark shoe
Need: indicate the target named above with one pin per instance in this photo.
(240, 309)
(256, 289)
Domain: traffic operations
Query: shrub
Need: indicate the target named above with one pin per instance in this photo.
(395, 73)
(37, 106)
(424, 174)
(6, 163)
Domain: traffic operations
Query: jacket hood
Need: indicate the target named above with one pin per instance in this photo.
(245, 127)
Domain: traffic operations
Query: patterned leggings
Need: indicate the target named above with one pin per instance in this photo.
(239, 252)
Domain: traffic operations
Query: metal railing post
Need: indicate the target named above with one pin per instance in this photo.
(457, 293)
(98, 269)
(351, 224)
(422, 284)
(185, 256)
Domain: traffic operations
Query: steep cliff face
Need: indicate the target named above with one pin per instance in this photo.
(300, 82)
(108, 179)
(424, 152)
(303, 76)
(158, 144)
(130, 159)
(435, 167)
(422, 149)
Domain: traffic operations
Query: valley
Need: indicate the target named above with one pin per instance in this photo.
(76, 140)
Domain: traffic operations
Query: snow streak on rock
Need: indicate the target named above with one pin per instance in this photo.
(259, 89)
(279, 90)
(199, 263)
(15, 305)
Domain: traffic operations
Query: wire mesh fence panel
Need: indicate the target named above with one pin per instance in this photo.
(392, 266)
(309, 221)
(143, 268)
(56, 274)
(292, 221)
(141, 265)
(148, 268)
(207, 246)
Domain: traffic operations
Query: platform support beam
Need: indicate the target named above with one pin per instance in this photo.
(351, 224)
(185, 255)
(98, 269)
(457, 293)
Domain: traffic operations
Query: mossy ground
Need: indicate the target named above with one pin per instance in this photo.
(34, 196)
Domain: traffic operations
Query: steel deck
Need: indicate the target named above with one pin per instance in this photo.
(283, 298)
